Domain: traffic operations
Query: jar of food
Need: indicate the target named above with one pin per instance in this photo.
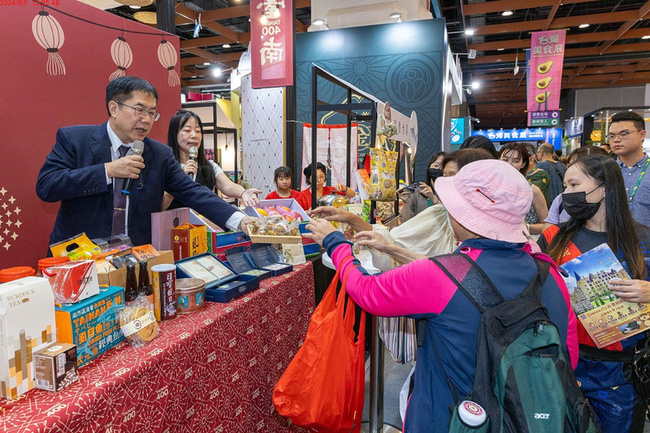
(190, 295)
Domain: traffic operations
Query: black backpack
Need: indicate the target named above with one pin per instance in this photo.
(523, 379)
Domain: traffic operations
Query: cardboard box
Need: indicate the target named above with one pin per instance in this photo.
(92, 324)
(73, 281)
(56, 366)
(26, 322)
(189, 240)
(117, 277)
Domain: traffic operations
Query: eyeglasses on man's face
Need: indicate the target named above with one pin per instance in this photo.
(141, 112)
(621, 135)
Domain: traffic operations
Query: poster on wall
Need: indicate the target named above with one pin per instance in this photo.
(545, 75)
(271, 43)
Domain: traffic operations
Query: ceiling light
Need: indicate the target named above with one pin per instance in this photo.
(507, 13)
(395, 15)
(225, 46)
(469, 32)
(206, 64)
(216, 72)
(500, 49)
(475, 85)
(645, 37)
(583, 26)
(318, 22)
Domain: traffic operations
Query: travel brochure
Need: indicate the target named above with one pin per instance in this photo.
(606, 317)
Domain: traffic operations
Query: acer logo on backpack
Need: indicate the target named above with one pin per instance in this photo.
(542, 416)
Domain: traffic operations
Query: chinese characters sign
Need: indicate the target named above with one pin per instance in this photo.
(549, 135)
(545, 71)
(272, 43)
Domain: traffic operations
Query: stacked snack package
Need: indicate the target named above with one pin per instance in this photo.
(138, 322)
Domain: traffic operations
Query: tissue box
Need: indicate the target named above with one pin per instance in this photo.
(26, 321)
(92, 324)
(56, 366)
(73, 281)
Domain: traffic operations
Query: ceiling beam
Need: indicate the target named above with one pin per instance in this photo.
(551, 15)
(511, 5)
(559, 23)
(219, 58)
(204, 42)
(643, 11)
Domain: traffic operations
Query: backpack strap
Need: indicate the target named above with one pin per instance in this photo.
(481, 291)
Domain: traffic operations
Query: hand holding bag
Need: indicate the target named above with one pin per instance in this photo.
(323, 387)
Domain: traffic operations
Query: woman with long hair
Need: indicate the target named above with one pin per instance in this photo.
(185, 132)
(596, 201)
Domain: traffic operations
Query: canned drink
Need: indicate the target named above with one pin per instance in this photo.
(164, 291)
(471, 414)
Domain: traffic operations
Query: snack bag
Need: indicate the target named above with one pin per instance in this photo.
(138, 322)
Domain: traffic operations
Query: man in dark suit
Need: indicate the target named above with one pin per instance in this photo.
(89, 165)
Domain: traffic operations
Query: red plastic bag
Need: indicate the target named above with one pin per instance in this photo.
(323, 387)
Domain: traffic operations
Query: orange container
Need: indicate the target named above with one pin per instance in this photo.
(48, 262)
(10, 274)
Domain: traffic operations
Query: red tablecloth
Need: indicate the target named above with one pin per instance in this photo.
(211, 371)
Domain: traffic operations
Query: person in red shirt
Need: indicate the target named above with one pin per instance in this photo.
(321, 189)
(282, 179)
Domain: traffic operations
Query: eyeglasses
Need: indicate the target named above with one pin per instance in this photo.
(141, 112)
(621, 135)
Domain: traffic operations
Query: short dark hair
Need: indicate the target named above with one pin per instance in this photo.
(629, 116)
(521, 150)
(479, 142)
(307, 171)
(462, 157)
(282, 171)
(583, 151)
(121, 88)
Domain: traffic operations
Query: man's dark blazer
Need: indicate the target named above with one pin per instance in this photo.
(74, 174)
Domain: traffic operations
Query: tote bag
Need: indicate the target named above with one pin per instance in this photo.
(323, 387)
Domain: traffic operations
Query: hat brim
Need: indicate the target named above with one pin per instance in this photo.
(467, 215)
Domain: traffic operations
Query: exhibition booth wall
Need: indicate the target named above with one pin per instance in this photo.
(39, 97)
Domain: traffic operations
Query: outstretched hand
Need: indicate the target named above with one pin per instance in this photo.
(371, 239)
(319, 230)
(330, 213)
(249, 197)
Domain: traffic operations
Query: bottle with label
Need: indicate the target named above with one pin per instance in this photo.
(144, 287)
(131, 287)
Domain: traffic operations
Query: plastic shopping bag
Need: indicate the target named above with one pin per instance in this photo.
(323, 387)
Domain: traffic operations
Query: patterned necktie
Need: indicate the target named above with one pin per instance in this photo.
(119, 201)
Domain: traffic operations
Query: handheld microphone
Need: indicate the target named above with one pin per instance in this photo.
(194, 154)
(136, 149)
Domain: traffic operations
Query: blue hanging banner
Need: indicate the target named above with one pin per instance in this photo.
(548, 135)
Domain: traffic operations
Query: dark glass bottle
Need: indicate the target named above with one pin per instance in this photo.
(131, 287)
(144, 287)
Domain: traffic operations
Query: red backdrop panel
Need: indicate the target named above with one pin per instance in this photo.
(35, 104)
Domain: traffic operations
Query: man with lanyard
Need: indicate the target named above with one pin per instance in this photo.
(626, 135)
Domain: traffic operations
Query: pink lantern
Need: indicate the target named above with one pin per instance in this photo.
(122, 57)
(168, 58)
(49, 35)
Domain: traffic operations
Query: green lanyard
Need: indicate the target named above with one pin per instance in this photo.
(638, 181)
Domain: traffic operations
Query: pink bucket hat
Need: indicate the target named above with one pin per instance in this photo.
(489, 198)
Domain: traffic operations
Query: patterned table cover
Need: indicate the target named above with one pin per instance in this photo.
(211, 371)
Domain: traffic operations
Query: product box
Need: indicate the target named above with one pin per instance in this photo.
(265, 257)
(206, 267)
(233, 289)
(189, 240)
(26, 321)
(162, 224)
(286, 202)
(310, 247)
(117, 277)
(229, 238)
(73, 281)
(241, 261)
(56, 366)
(92, 324)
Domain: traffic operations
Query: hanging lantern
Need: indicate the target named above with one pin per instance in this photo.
(122, 56)
(168, 58)
(49, 35)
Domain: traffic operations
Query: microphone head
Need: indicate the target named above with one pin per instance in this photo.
(137, 148)
(194, 152)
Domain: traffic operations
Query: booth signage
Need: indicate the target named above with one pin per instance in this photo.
(545, 118)
(548, 135)
(271, 43)
(545, 71)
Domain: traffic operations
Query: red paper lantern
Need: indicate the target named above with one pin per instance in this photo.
(168, 58)
(49, 35)
(122, 57)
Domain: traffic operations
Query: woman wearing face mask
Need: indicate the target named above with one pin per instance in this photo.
(417, 200)
(597, 204)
